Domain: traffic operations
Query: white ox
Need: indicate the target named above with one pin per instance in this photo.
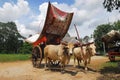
(60, 53)
(84, 53)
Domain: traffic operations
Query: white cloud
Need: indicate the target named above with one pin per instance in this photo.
(11, 12)
(23, 30)
(87, 4)
(87, 15)
(39, 20)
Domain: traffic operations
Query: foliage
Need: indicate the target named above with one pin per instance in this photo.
(10, 39)
(111, 5)
(110, 64)
(14, 57)
(26, 48)
(102, 30)
(99, 32)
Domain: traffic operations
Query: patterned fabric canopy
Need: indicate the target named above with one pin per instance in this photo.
(56, 26)
(111, 36)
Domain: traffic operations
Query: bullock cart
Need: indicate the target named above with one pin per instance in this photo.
(112, 44)
(56, 26)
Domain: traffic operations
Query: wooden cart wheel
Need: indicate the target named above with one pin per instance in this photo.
(111, 58)
(36, 56)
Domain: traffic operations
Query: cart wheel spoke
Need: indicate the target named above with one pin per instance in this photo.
(36, 56)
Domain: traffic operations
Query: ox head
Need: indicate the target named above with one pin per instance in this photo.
(67, 50)
(92, 49)
(70, 47)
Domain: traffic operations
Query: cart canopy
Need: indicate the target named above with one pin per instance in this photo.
(111, 36)
(55, 27)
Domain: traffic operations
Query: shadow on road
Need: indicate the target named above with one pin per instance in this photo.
(111, 67)
(69, 69)
(110, 72)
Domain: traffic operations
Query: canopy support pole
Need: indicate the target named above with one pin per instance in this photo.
(104, 47)
(77, 32)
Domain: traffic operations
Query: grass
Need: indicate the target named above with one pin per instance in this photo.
(110, 70)
(14, 57)
(110, 64)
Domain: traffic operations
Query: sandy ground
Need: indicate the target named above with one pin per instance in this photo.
(23, 70)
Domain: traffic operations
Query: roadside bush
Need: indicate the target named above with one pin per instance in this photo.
(26, 48)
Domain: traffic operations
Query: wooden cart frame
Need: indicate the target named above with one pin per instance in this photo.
(111, 40)
(56, 26)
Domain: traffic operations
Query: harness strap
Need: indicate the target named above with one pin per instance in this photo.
(88, 50)
(83, 57)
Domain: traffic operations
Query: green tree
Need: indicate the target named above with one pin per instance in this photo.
(26, 48)
(111, 5)
(9, 37)
(102, 30)
(117, 25)
(99, 32)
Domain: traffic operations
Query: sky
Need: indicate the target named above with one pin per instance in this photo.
(29, 15)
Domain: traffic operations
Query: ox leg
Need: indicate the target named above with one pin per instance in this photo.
(78, 62)
(62, 65)
(40, 62)
(85, 63)
(89, 60)
(74, 62)
(45, 63)
(62, 68)
(49, 63)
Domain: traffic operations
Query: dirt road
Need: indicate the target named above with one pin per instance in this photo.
(23, 70)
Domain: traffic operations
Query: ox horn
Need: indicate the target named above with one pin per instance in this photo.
(64, 43)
